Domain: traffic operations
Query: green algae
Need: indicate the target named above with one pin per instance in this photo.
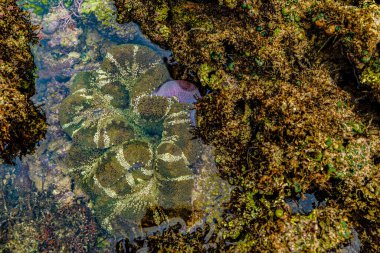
(102, 10)
(42, 7)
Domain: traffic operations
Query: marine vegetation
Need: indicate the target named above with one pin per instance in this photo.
(291, 109)
(132, 150)
(21, 123)
(32, 221)
(41, 7)
(73, 10)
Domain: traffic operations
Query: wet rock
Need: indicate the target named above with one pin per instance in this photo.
(355, 244)
(56, 64)
(303, 205)
(53, 20)
(105, 14)
(67, 38)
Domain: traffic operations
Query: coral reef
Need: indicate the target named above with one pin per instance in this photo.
(292, 110)
(132, 150)
(22, 125)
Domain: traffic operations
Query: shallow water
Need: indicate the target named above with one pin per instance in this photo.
(44, 204)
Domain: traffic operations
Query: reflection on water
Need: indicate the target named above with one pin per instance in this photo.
(116, 161)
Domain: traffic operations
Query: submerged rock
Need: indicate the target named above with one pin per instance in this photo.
(54, 20)
(104, 12)
(303, 205)
(131, 150)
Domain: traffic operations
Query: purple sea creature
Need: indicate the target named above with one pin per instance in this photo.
(136, 166)
(185, 92)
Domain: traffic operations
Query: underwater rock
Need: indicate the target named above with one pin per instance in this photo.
(51, 67)
(67, 38)
(303, 205)
(60, 48)
(53, 20)
(105, 13)
(131, 150)
(50, 27)
(355, 244)
(59, 28)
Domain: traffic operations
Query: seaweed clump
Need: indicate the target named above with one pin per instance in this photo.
(292, 110)
(21, 123)
(32, 221)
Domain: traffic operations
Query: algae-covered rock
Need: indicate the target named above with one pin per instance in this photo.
(371, 77)
(22, 125)
(23, 237)
(131, 150)
(105, 13)
(287, 110)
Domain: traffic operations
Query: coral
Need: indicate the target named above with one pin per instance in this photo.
(51, 67)
(132, 150)
(21, 123)
(286, 111)
(23, 238)
(79, 229)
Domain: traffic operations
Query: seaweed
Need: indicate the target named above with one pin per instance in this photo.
(292, 92)
(22, 124)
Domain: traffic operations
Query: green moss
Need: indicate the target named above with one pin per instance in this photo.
(208, 76)
(229, 3)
